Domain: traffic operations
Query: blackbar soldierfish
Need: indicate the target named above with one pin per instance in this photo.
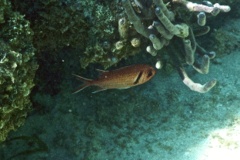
(121, 78)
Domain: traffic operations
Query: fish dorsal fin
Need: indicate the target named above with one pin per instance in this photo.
(101, 72)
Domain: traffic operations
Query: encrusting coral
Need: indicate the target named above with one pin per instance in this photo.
(89, 28)
(17, 69)
(157, 22)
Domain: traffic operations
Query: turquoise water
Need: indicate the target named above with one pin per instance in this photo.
(160, 120)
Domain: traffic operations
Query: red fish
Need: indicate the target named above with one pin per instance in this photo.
(121, 78)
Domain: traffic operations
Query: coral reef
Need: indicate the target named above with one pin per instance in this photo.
(101, 34)
(162, 23)
(17, 69)
(91, 29)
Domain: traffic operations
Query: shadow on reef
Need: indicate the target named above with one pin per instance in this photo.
(31, 144)
(48, 76)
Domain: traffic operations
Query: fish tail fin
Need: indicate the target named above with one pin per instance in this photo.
(86, 83)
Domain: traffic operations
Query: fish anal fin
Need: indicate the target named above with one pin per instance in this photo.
(99, 90)
(124, 88)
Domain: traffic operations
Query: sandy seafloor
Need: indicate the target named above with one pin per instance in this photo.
(160, 120)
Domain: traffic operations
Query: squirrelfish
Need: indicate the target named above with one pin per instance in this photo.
(121, 78)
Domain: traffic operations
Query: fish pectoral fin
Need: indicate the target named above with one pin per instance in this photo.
(99, 90)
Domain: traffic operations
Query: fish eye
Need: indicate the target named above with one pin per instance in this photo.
(149, 73)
